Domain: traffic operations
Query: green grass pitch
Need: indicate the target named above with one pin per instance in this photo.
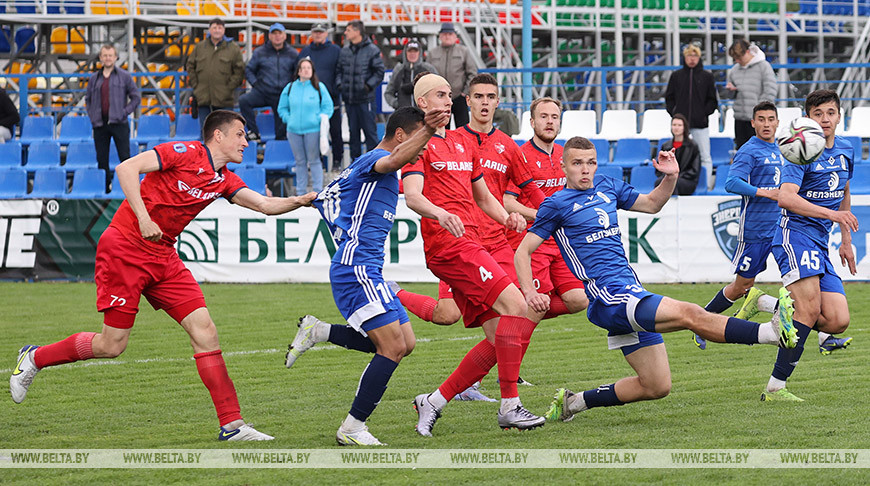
(151, 396)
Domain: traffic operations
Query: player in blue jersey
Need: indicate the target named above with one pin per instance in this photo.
(812, 198)
(359, 207)
(582, 219)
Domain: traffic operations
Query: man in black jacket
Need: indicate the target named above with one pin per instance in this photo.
(360, 72)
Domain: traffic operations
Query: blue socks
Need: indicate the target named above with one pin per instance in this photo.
(372, 386)
(740, 331)
(350, 338)
(603, 396)
(787, 359)
(719, 304)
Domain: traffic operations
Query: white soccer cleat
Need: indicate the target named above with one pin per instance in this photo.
(23, 373)
(304, 340)
(427, 415)
(519, 418)
(245, 432)
(361, 437)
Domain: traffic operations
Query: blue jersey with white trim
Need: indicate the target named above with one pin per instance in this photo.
(359, 206)
(586, 229)
(822, 183)
(760, 164)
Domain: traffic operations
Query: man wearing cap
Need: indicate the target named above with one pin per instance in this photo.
(455, 62)
(324, 54)
(400, 89)
(360, 72)
(268, 71)
(214, 70)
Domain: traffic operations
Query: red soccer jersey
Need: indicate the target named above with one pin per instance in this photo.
(185, 184)
(502, 162)
(547, 171)
(448, 168)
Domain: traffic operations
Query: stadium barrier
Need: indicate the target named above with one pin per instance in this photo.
(690, 240)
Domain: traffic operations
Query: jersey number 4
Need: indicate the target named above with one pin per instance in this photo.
(484, 274)
(810, 259)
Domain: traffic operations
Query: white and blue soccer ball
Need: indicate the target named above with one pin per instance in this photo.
(801, 141)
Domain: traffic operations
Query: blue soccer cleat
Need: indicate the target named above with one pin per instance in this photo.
(699, 341)
(833, 343)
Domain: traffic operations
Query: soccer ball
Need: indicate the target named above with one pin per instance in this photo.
(801, 141)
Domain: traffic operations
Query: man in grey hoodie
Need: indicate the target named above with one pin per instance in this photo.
(752, 80)
(400, 89)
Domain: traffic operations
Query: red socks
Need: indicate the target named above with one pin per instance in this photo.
(557, 307)
(213, 372)
(473, 367)
(420, 305)
(74, 348)
(511, 340)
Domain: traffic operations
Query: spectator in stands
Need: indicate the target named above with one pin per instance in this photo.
(688, 157)
(400, 90)
(455, 62)
(111, 97)
(214, 70)
(8, 117)
(752, 80)
(324, 54)
(360, 72)
(303, 103)
(269, 70)
(691, 92)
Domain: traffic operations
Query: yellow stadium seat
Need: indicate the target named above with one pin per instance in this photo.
(77, 41)
(58, 40)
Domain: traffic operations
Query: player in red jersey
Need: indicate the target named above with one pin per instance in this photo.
(544, 158)
(136, 256)
(443, 187)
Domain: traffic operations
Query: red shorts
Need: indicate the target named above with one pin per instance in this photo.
(474, 277)
(124, 272)
(551, 273)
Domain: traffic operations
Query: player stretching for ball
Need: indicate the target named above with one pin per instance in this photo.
(812, 197)
(359, 206)
(582, 218)
(136, 256)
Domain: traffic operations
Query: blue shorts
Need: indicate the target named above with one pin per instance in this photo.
(629, 317)
(799, 257)
(750, 258)
(363, 298)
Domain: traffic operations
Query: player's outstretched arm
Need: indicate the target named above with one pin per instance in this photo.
(523, 264)
(408, 151)
(790, 200)
(128, 176)
(511, 205)
(651, 203)
(420, 204)
(490, 205)
(251, 199)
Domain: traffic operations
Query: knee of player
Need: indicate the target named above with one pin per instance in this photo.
(661, 390)
(409, 346)
(445, 316)
(576, 303)
(692, 315)
(838, 325)
(109, 349)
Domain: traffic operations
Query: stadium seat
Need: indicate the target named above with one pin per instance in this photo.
(859, 123)
(10, 155)
(253, 177)
(656, 125)
(602, 150)
(116, 192)
(277, 156)
(13, 183)
(578, 123)
(153, 128)
(80, 155)
(25, 39)
(75, 129)
(37, 129)
(713, 122)
(249, 158)
(266, 124)
(860, 183)
(857, 144)
(721, 150)
(610, 171)
(187, 128)
(526, 131)
(701, 188)
(5, 35)
(721, 179)
(381, 130)
(728, 125)
(643, 178)
(43, 155)
(618, 124)
(88, 184)
(49, 183)
(786, 115)
(631, 152)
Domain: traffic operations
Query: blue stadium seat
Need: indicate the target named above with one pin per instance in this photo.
(249, 158)
(5, 36)
(721, 178)
(610, 171)
(116, 192)
(187, 128)
(80, 155)
(602, 150)
(382, 130)
(857, 143)
(643, 178)
(253, 177)
(13, 183)
(631, 152)
(266, 124)
(43, 155)
(25, 6)
(75, 129)
(701, 188)
(860, 183)
(88, 184)
(153, 128)
(49, 183)
(37, 129)
(74, 7)
(277, 156)
(25, 39)
(10, 155)
(721, 149)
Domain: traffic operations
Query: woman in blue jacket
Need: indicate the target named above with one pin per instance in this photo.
(302, 105)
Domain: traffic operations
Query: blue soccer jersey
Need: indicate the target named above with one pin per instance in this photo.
(359, 207)
(586, 229)
(822, 183)
(760, 164)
